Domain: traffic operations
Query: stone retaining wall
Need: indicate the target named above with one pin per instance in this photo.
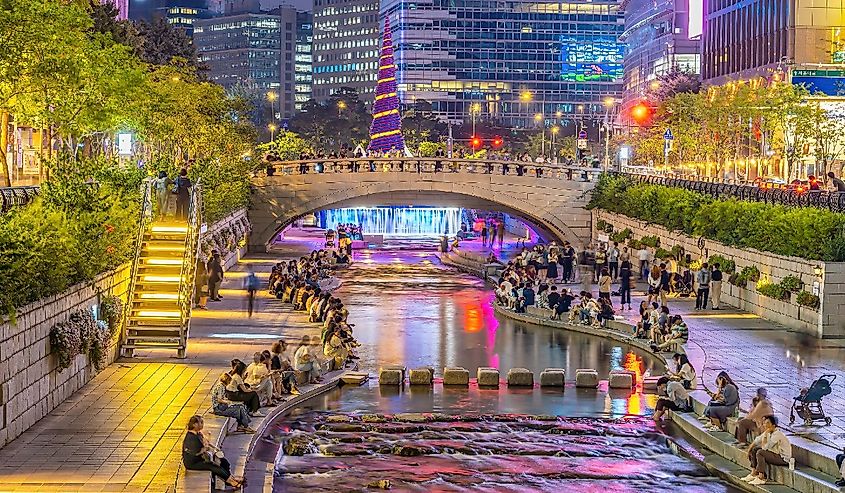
(30, 384)
(828, 322)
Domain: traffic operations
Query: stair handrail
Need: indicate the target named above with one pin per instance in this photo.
(145, 215)
(187, 281)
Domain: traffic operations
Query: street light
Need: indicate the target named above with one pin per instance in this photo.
(526, 96)
(341, 105)
(272, 97)
(553, 157)
(474, 109)
(272, 128)
(538, 118)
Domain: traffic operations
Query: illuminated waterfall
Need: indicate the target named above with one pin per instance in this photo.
(396, 220)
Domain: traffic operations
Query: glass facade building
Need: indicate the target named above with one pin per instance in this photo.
(659, 36)
(302, 61)
(509, 61)
(345, 48)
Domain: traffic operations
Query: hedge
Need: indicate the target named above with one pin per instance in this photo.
(804, 232)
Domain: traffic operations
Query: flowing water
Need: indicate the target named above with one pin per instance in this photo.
(396, 220)
(410, 310)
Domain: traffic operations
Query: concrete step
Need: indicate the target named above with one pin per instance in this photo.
(147, 323)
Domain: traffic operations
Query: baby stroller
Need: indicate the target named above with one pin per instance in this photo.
(682, 284)
(808, 404)
(330, 238)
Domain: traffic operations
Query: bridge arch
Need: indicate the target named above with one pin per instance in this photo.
(551, 202)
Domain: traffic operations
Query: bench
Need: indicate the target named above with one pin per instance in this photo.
(216, 428)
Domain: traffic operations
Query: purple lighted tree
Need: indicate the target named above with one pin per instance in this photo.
(386, 129)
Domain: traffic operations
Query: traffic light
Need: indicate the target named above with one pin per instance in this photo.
(498, 142)
(641, 113)
(475, 142)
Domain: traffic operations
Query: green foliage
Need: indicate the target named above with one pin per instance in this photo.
(601, 225)
(791, 283)
(652, 241)
(662, 253)
(725, 265)
(801, 232)
(775, 291)
(621, 236)
(286, 147)
(429, 149)
(80, 334)
(741, 278)
(806, 298)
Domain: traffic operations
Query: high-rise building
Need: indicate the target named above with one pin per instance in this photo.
(345, 49)
(513, 61)
(183, 14)
(302, 61)
(661, 35)
(252, 48)
(745, 39)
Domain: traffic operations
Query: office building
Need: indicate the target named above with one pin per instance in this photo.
(254, 48)
(775, 38)
(515, 61)
(302, 61)
(345, 47)
(182, 14)
(660, 35)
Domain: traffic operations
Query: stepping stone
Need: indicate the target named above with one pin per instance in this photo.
(390, 377)
(488, 377)
(553, 377)
(620, 379)
(401, 368)
(420, 376)
(586, 378)
(520, 377)
(354, 377)
(455, 376)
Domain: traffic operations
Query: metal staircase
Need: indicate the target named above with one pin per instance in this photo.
(161, 288)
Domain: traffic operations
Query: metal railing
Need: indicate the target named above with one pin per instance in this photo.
(144, 219)
(17, 196)
(187, 282)
(821, 199)
(432, 165)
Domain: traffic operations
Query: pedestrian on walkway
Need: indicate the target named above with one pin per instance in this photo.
(716, 285)
(702, 277)
(665, 284)
(761, 407)
(251, 285)
(198, 454)
(201, 286)
(770, 448)
(484, 236)
(653, 284)
(626, 283)
(644, 256)
(613, 260)
(600, 262)
(604, 285)
(215, 276)
(567, 261)
(183, 194)
(500, 233)
(837, 184)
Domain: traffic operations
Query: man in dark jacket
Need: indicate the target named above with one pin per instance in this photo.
(215, 276)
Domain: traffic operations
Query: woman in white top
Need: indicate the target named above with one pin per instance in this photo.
(654, 284)
(770, 447)
(305, 362)
(258, 378)
(684, 372)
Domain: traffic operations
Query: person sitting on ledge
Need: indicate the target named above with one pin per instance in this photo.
(605, 312)
(684, 372)
(753, 421)
(723, 402)
(676, 340)
(770, 448)
(238, 391)
(222, 406)
(257, 376)
(198, 454)
(305, 362)
(673, 397)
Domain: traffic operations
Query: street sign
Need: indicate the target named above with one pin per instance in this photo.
(582, 144)
(668, 135)
(285, 124)
(582, 134)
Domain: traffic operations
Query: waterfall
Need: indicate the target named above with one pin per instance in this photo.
(396, 220)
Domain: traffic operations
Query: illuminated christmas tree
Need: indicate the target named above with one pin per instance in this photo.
(386, 129)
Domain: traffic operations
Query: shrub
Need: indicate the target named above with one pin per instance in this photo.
(750, 273)
(601, 225)
(791, 284)
(805, 232)
(661, 253)
(808, 299)
(80, 334)
(726, 265)
(775, 291)
(621, 236)
(651, 241)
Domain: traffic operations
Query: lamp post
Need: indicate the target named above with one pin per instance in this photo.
(474, 109)
(553, 157)
(272, 97)
(341, 105)
(608, 103)
(272, 128)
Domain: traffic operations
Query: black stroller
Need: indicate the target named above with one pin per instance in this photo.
(808, 404)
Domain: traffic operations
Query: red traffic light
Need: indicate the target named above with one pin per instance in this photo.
(498, 142)
(475, 142)
(641, 113)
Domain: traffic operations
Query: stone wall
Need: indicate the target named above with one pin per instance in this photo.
(828, 322)
(30, 384)
(232, 255)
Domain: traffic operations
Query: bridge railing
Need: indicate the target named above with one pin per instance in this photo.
(821, 199)
(433, 165)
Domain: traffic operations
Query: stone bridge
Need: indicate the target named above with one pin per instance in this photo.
(550, 198)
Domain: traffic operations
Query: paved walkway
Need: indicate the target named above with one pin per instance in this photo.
(122, 432)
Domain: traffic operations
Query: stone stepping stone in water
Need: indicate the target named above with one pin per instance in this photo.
(520, 377)
(586, 378)
(487, 376)
(455, 376)
(553, 377)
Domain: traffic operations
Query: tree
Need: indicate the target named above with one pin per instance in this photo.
(340, 122)
(104, 17)
(828, 135)
(672, 83)
(419, 125)
(162, 44)
(287, 146)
